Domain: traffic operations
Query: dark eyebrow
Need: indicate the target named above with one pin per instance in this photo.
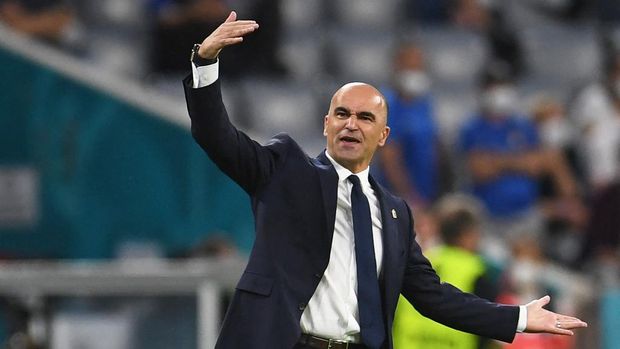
(367, 114)
(342, 109)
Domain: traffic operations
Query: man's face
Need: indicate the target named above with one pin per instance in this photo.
(356, 125)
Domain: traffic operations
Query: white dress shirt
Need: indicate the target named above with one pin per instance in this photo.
(332, 311)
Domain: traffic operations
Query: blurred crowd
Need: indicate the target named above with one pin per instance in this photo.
(504, 116)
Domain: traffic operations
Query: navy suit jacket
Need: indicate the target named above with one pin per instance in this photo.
(294, 204)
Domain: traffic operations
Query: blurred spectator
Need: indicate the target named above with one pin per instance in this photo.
(596, 111)
(504, 43)
(470, 14)
(490, 20)
(50, 20)
(530, 13)
(179, 24)
(457, 262)
(412, 159)
(602, 245)
(566, 217)
(556, 131)
(428, 11)
(505, 160)
(530, 273)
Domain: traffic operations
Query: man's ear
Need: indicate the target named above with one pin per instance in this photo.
(325, 125)
(384, 137)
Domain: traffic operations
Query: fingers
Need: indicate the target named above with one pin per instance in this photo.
(561, 331)
(228, 33)
(542, 320)
(544, 300)
(564, 324)
(541, 302)
(231, 17)
(232, 41)
(571, 323)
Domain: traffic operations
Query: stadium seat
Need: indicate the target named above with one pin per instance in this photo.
(278, 106)
(361, 56)
(301, 14)
(453, 106)
(452, 55)
(564, 54)
(366, 14)
(302, 53)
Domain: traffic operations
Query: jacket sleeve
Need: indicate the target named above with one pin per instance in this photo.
(452, 307)
(244, 160)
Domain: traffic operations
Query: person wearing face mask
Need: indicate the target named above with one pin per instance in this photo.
(596, 111)
(412, 156)
(505, 160)
(566, 217)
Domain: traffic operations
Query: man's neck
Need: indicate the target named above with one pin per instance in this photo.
(353, 169)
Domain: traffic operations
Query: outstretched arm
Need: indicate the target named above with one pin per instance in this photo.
(248, 163)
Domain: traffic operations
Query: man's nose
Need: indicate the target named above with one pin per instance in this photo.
(352, 122)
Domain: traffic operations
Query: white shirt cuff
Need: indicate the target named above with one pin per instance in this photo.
(522, 324)
(205, 75)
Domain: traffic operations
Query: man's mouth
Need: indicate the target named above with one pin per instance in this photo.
(349, 139)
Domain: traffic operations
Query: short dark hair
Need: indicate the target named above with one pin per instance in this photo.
(453, 225)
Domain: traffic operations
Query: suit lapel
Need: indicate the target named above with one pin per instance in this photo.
(329, 188)
(393, 248)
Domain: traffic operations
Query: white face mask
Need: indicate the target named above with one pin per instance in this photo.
(413, 82)
(500, 100)
(556, 132)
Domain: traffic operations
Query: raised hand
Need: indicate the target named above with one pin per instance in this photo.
(542, 320)
(228, 33)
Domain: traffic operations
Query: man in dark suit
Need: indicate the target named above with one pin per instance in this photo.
(333, 248)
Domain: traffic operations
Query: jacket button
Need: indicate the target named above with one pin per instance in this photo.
(302, 306)
(318, 276)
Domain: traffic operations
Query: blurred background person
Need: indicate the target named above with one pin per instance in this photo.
(565, 216)
(505, 159)
(596, 110)
(52, 21)
(530, 272)
(413, 157)
(180, 23)
(457, 262)
(602, 240)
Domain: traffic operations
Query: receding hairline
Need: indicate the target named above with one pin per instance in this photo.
(357, 84)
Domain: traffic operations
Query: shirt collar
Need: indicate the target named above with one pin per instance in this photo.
(344, 173)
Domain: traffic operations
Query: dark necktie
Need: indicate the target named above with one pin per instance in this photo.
(372, 329)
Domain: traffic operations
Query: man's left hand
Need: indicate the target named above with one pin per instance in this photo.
(540, 320)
